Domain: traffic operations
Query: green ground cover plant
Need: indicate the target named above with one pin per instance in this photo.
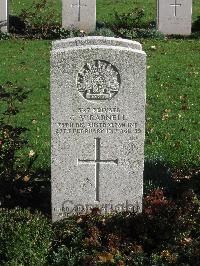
(166, 233)
(25, 238)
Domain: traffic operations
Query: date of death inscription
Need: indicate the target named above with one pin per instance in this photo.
(98, 121)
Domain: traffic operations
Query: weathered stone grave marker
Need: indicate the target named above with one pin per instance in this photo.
(98, 125)
(80, 14)
(3, 15)
(175, 5)
(79, 6)
(174, 16)
(95, 40)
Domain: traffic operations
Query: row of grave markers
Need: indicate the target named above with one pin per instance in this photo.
(173, 16)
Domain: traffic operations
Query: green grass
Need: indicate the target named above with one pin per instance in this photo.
(173, 81)
(173, 97)
(26, 63)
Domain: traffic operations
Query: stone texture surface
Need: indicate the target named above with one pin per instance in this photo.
(96, 40)
(3, 15)
(79, 14)
(174, 16)
(98, 128)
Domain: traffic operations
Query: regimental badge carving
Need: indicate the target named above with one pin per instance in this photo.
(98, 81)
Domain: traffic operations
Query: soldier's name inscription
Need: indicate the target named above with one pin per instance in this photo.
(98, 120)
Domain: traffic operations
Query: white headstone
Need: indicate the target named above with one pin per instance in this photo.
(3, 15)
(79, 14)
(98, 125)
(96, 40)
(174, 16)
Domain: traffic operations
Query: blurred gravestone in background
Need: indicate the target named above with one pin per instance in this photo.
(174, 16)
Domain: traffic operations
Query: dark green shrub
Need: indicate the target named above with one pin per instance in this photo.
(25, 238)
(39, 14)
(129, 21)
(150, 34)
(16, 25)
(195, 35)
(138, 33)
(103, 32)
(51, 33)
(132, 25)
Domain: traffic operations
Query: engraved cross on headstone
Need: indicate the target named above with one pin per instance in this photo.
(175, 5)
(97, 161)
(79, 8)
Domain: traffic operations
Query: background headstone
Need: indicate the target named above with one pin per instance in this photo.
(3, 15)
(174, 16)
(98, 127)
(79, 14)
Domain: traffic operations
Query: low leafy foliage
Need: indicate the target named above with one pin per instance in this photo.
(4, 36)
(103, 32)
(132, 25)
(166, 233)
(129, 20)
(25, 238)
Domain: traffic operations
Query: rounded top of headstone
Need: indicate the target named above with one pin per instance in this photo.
(96, 40)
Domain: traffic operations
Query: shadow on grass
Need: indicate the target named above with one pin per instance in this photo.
(36, 194)
(157, 174)
(196, 25)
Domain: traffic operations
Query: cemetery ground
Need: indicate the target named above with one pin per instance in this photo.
(168, 230)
